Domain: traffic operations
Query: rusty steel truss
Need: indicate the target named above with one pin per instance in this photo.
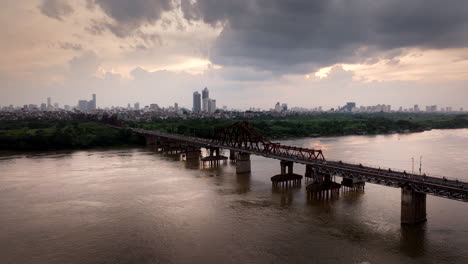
(243, 135)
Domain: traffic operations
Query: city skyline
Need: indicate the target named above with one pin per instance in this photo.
(202, 103)
(163, 55)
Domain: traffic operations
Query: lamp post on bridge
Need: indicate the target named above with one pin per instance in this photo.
(420, 164)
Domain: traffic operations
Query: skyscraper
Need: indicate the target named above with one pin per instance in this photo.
(205, 100)
(205, 93)
(211, 105)
(94, 103)
(49, 103)
(196, 102)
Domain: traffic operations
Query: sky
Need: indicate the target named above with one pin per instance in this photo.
(249, 53)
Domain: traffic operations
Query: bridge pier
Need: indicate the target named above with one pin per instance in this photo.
(413, 206)
(214, 158)
(232, 155)
(310, 173)
(322, 186)
(286, 178)
(353, 184)
(150, 140)
(192, 153)
(243, 164)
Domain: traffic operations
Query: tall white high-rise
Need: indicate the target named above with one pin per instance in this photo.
(211, 105)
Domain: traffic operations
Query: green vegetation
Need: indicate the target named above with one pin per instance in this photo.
(55, 135)
(317, 125)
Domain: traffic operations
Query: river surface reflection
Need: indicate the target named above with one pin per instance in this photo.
(138, 206)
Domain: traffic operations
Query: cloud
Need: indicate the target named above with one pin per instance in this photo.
(57, 9)
(129, 15)
(300, 36)
(84, 65)
(70, 46)
(289, 37)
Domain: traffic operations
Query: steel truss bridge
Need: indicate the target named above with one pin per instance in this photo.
(241, 137)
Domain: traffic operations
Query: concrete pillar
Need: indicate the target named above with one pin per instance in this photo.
(150, 140)
(192, 154)
(413, 206)
(286, 167)
(308, 171)
(243, 163)
(232, 155)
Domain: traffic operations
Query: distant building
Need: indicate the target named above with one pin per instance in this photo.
(43, 107)
(284, 107)
(82, 105)
(49, 103)
(92, 103)
(278, 107)
(176, 107)
(196, 102)
(205, 93)
(211, 105)
(205, 99)
(349, 106)
(205, 103)
(136, 106)
(431, 108)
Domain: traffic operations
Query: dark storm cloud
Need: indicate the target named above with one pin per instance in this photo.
(129, 15)
(300, 35)
(57, 9)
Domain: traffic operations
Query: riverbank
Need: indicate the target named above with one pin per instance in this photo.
(39, 135)
(317, 125)
(30, 135)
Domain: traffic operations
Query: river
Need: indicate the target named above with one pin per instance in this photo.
(139, 206)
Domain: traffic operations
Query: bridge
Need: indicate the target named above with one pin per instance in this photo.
(242, 140)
